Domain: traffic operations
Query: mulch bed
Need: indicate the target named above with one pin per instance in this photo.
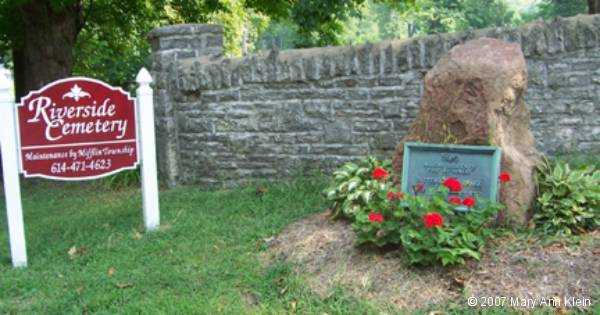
(323, 252)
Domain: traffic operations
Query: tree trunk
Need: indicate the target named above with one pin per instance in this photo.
(412, 29)
(244, 40)
(593, 6)
(18, 74)
(49, 37)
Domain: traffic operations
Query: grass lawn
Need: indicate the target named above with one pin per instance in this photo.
(206, 258)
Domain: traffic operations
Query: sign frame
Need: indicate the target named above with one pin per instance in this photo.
(145, 144)
(495, 152)
(94, 81)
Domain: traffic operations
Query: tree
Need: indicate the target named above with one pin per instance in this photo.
(374, 20)
(440, 16)
(112, 46)
(554, 8)
(42, 35)
(593, 6)
(48, 39)
(241, 26)
(282, 34)
(313, 23)
(29, 29)
(481, 14)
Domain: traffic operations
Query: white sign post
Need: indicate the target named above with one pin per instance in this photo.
(11, 152)
(147, 146)
(10, 171)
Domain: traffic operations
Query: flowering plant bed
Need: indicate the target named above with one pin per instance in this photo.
(425, 223)
(514, 264)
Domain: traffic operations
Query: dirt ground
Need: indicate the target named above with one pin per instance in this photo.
(518, 268)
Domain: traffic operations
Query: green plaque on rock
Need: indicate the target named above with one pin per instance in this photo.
(426, 165)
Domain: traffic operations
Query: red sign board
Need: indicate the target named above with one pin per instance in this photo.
(75, 129)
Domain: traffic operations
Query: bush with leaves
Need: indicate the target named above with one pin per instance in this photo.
(569, 199)
(374, 223)
(435, 229)
(123, 179)
(440, 225)
(353, 186)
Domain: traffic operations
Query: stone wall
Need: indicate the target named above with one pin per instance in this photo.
(296, 111)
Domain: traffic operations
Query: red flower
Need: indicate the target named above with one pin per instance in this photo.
(433, 219)
(379, 173)
(419, 187)
(453, 184)
(395, 196)
(469, 201)
(504, 177)
(454, 200)
(375, 217)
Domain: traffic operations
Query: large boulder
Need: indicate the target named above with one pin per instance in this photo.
(475, 95)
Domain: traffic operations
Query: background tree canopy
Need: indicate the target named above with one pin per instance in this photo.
(44, 40)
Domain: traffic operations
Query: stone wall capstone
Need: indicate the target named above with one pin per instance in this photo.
(281, 113)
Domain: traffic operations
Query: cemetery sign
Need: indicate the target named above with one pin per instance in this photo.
(77, 128)
(477, 167)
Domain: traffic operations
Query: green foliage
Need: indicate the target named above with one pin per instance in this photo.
(353, 187)
(313, 23)
(240, 24)
(375, 20)
(581, 160)
(378, 233)
(383, 216)
(459, 15)
(281, 34)
(358, 21)
(124, 179)
(480, 14)
(101, 17)
(379, 21)
(111, 55)
(432, 16)
(463, 235)
(10, 25)
(554, 8)
(321, 22)
(112, 45)
(569, 199)
(549, 9)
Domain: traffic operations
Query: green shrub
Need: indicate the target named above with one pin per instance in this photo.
(429, 227)
(353, 187)
(569, 199)
(455, 236)
(463, 234)
(123, 179)
(373, 223)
